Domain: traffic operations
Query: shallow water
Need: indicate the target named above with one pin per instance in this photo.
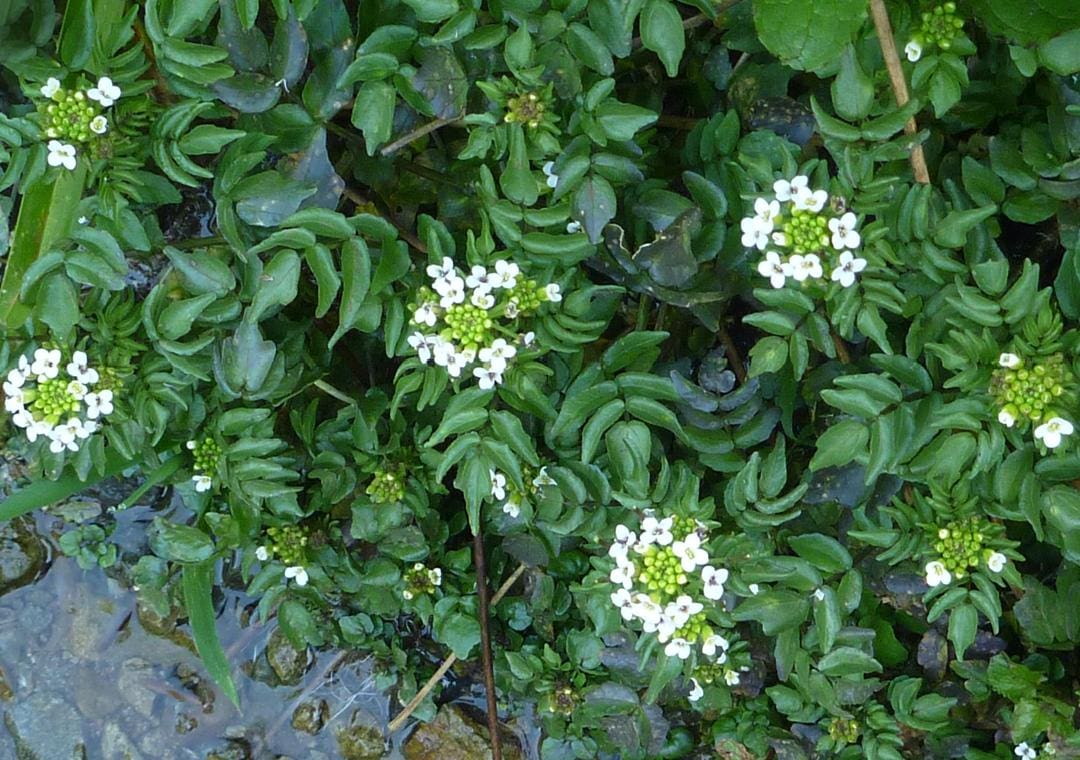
(84, 678)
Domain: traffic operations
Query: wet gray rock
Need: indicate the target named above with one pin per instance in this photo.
(288, 662)
(451, 736)
(47, 725)
(134, 676)
(22, 554)
(311, 716)
(115, 745)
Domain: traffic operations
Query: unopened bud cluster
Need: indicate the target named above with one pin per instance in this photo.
(940, 26)
(206, 454)
(844, 730)
(421, 579)
(959, 544)
(1030, 390)
(561, 700)
(527, 108)
(388, 485)
(288, 543)
(74, 117)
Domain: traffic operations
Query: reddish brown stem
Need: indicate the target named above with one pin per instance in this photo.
(485, 644)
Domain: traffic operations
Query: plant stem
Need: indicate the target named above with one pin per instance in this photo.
(883, 27)
(733, 355)
(406, 234)
(416, 134)
(841, 349)
(196, 242)
(330, 390)
(485, 643)
(437, 676)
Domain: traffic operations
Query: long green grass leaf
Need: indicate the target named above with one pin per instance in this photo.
(163, 472)
(44, 492)
(198, 583)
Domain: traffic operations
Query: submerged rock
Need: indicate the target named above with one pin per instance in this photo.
(361, 742)
(311, 716)
(453, 736)
(288, 662)
(21, 554)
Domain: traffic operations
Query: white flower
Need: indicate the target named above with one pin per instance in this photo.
(407, 595)
(15, 379)
(497, 353)
(785, 190)
(753, 234)
(543, 479)
(506, 274)
(13, 400)
(553, 292)
(46, 364)
(61, 154)
(190, 445)
(441, 271)
(512, 309)
(298, 573)
(913, 51)
(819, 595)
(1009, 361)
(489, 377)
(498, 485)
(76, 390)
(425, 315)
(65, 436)
(105, 93)
(713, 643)
(573, 227)
(731, 677)
(648, 611)
(996, 562)
(479, 277)
(51, 87)
(682, 609)
(678, 648)
(624, 600)
(849, 267)
(662, 625)
(765, 212)
(79, 368)
(937, 575)
(99, 125)
(806, 266)
(655, 531)
(624, 539)
(754, 589)
(690, 553)
(99, 404)
(844, 234)
(512, 507)
(422, 345)
(450, 285)
(810, 200)
(775, 269)
(780, 239)
(456, 361)
(1025, 752)
(434, 576)
(482, 299)
(552, 177)
(202, 483)
(83, 220)
(262, 554)
(1052, 431)
(696, 692)
(623, 574)
(1006, 419)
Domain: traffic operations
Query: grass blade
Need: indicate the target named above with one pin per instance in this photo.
(198, 583)
(41, 493)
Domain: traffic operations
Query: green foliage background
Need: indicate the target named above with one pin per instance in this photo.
(340, 147)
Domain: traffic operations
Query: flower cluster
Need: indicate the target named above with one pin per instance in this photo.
(502, 490)
(420, 579)
(474, 317)
(527, 108)
(940, 26)
(1025, 751)
(206, 454)
(63, 407)
(661, 573)
(803, 236)
(1027, 391)
(289, 544)
(961, 546)
(388, 485)
(844, 730)
(72, 117)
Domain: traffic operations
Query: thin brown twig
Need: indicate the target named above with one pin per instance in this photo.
(406, 234)
(733, 355)
(841, 349)
(480, 566)
(883, 27)
(437, 676)
(416, 134)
